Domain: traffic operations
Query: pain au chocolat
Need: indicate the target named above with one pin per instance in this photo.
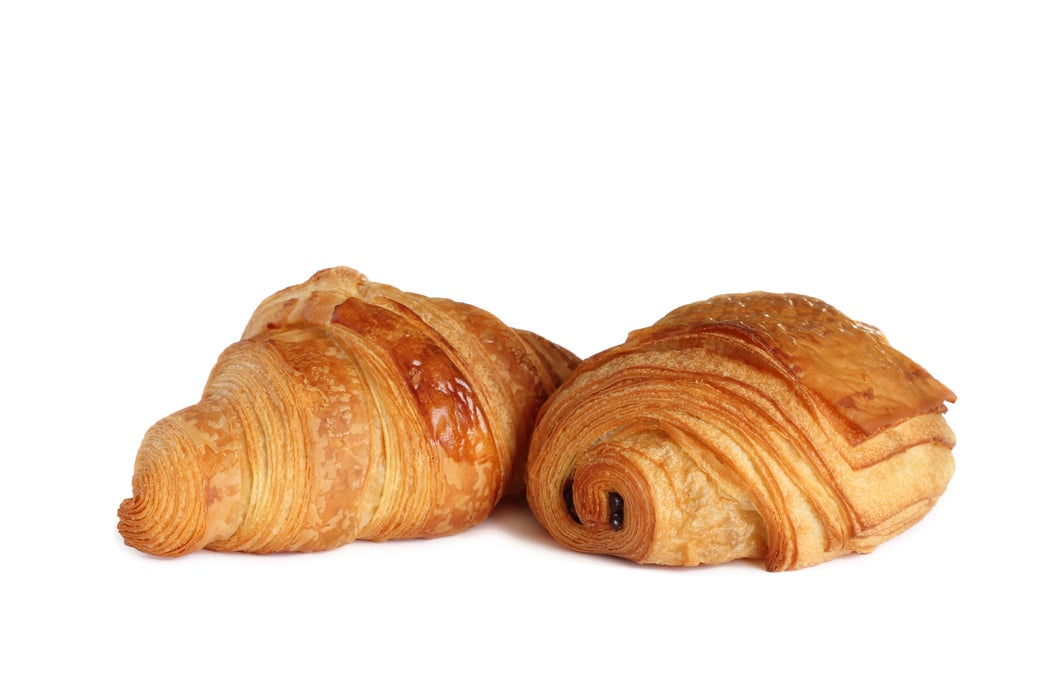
(761, 426)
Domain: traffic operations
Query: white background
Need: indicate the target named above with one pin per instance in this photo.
(578, 169)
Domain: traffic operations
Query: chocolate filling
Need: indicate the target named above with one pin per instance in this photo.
(615, 511)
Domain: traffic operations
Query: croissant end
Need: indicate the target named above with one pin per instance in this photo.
(186, 486)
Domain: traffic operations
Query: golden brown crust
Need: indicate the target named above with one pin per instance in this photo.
(848, 365)
(349, 410)
(747, 426)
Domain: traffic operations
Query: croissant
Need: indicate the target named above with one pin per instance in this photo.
(349, 410)
(758, 426)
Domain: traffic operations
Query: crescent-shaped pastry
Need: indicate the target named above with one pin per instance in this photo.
(746, 426)
(349, 410)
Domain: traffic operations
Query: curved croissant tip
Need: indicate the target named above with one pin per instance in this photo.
(136, 524)
(164, 517)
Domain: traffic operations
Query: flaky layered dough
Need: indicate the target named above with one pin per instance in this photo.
(349, 410)
(746, 426)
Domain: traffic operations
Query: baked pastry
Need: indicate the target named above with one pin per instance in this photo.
(746, 426)
(349, 410)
